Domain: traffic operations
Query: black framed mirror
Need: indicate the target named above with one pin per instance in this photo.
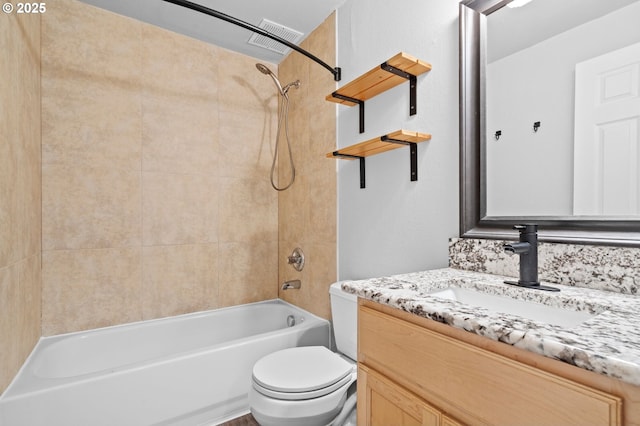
(474, 221)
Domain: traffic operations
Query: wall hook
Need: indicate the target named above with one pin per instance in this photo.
(536, 126)
(498, 134)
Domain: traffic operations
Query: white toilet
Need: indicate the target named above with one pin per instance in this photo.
(307, 386)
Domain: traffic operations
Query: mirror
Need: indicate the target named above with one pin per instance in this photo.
(488, 210)
(544, 61)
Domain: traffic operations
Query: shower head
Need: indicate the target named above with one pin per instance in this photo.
(265, 70)
(283, 90)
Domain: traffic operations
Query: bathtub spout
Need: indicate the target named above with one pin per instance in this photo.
(293, 284)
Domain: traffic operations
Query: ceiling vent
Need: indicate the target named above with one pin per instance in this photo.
(279, 30)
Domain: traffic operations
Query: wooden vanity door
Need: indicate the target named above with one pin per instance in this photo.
(386, 404)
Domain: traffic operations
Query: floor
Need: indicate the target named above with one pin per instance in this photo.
(247, 420)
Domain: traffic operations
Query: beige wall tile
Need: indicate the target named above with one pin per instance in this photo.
(246, 142)
(242, 86)
(179, 279)
(9, 304)
(248, 272)
(28, 205)
(180, 103)
(89, 72)
(91, 44)
(307, 211)
(321, 213)
(179, 209)
(317, 276)
(26, 198)
(179, 135)
(84, 289)
(30, 275)
(159, 148)
(89, 123)
(292, 211)
(90, 207)
(8, 189)
(299, 118)
(287, 272)
(19, 138)
(174, 65)
(320, 275)
(20, 303)
(20, 177)
(248, 211)
(91, 79)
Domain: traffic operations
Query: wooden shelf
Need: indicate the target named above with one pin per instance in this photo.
(378, 145)
(382, 144)
(389, 74)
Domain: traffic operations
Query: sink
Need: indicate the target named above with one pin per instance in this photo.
(565, 318)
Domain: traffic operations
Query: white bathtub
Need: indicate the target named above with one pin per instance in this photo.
(192, 369)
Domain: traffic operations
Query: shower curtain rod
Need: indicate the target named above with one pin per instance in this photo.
(337, 72)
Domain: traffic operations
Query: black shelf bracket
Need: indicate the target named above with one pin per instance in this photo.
(362, 169)
(413, 154)
(413, 92)
(413, 85)
(355, 101)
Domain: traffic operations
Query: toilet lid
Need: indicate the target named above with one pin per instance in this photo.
(301, 369)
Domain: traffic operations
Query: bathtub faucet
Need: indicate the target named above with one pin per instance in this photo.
(293, 284)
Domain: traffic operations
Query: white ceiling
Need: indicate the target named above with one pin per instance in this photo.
(512, 29)
(300, 15)
(509, 29)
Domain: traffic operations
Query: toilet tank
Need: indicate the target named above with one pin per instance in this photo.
(344, 312)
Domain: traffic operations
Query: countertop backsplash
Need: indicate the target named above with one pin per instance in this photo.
(615, 269)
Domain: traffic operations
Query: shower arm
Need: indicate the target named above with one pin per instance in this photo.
(337, 72)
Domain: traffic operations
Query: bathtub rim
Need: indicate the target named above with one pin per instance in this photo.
(10, 392)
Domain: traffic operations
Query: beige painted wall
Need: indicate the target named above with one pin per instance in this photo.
(307, 211)
(20, 175)
(156, 153)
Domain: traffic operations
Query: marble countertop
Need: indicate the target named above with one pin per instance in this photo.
(608, 343)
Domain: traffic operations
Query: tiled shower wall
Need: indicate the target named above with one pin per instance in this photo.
(19, 190)
(307, 210)
(156, 151)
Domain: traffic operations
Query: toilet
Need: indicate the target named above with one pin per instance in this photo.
(311, 385)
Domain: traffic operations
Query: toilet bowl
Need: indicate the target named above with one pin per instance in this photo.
(300, 386)
(311, 385)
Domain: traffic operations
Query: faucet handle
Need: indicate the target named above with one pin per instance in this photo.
(526, 228)
(296, 259)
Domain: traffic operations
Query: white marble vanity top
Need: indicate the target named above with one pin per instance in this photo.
(608, 343)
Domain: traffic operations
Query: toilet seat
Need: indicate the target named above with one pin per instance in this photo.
(302, 373)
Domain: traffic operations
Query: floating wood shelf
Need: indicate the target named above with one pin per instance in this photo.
(381, 144)
(389, 74)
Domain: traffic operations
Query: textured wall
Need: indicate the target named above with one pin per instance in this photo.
(395, 225)
(20, 175)
(156, 153)
(307, 210)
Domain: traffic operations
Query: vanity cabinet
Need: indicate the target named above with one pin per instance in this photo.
(387, 403)
(414, 371)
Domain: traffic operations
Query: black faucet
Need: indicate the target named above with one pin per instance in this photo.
(527, 249)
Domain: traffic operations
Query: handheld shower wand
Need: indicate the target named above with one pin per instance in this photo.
(283, 115)
(265, 70)
(283, 90)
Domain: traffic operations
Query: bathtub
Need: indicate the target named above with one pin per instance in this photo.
(192, 369)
